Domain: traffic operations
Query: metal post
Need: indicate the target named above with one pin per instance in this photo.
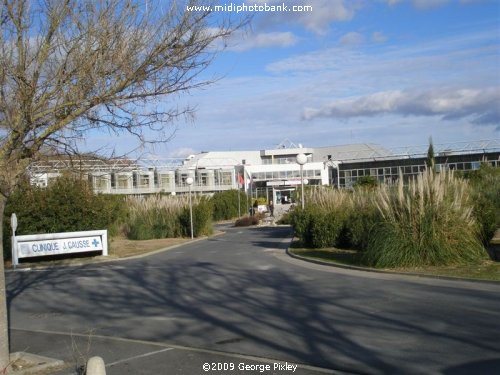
(191, 212)
(13, 224)
(302, 184)
(239, 200)
(301, 160)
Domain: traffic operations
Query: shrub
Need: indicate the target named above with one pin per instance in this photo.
(428, 223)
(225, 204)
(485, 184)
(286, 219)
(247, 221)
(326, 228)
(67, 205)
(366, 182)
(168, 216)
(301, 222)
(202, 218)
(155, 217)
(322, 222)
(361, 217)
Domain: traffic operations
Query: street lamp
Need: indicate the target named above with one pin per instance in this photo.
(189, 181)
(301, 160)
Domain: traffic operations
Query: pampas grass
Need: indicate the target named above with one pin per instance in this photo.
(428, 222)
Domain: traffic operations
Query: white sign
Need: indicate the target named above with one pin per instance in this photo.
(61, 246)
(283, 183)
(60, 243)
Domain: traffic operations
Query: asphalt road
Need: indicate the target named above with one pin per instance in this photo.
(240, 293)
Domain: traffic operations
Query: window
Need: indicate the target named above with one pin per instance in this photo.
(123, 182)
(144, 180)
(165, 180)
(226, 178)
(100, 183)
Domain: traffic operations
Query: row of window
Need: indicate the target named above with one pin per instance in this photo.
(409, 169)
(280, 160)
(280, 175)
(143, 181)
(386, 174)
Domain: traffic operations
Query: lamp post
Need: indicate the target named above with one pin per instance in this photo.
(189, 181)
(301, 160)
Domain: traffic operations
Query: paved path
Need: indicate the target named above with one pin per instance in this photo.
(240, 293)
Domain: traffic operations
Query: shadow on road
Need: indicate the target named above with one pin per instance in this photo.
(229, 307)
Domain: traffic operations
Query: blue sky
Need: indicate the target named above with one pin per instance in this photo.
(392, 72)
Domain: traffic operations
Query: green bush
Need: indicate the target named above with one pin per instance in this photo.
(167, 216)
(322, 222)
(326, 228)
(485, 184)
(202, 219)
(225, 204)
(286, 219)
(361, 216)
(67, 205)
(429, 222)
(366, 182)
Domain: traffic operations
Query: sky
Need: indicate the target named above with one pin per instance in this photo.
(390, 72)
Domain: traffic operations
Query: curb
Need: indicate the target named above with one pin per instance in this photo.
(104, 260)
(367, 269)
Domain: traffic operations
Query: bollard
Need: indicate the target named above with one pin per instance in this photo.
(95, 366)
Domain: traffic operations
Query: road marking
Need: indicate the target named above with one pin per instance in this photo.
(138, 356)
(186, 348)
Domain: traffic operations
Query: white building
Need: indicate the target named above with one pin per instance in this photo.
(272, 173)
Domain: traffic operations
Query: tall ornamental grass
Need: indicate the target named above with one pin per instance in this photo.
(321, 223)
(428, 222)
(167, 216)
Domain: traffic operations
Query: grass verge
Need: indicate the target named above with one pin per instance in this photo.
(485, 270)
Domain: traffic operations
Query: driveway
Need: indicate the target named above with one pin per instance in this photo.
(240, 293)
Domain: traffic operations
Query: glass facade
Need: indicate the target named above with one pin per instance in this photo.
(390, 170)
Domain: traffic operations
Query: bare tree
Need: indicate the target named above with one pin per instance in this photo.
(68, 67)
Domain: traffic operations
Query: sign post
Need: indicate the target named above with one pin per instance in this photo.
(13, 247)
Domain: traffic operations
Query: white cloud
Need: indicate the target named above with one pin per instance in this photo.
(379, 37)
(352, 39)
(482, 106)
(318, 20)
(181, 152)
(423, 4)
(426, 4)
(245, 42)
